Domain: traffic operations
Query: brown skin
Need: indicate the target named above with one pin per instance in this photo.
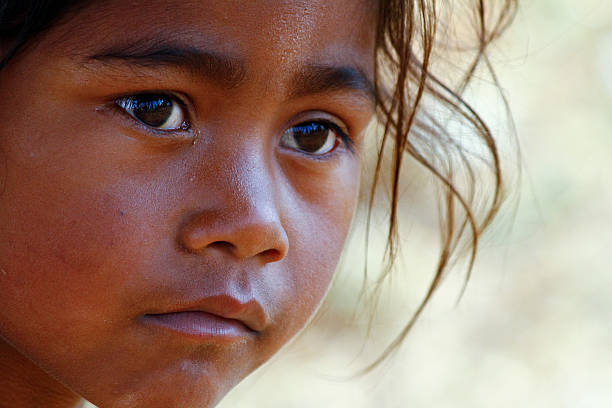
(103, 220)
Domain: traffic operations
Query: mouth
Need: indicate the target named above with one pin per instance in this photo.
(200, 325)
(213, 319)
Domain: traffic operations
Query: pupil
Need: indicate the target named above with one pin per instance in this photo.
(311, 137)
(153, 110)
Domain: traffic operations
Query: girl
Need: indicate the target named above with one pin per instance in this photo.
(178, 179)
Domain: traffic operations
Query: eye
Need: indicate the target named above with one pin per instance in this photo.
(315, 138)
(158, 111)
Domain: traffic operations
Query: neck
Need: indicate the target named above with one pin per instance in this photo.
(25, 385)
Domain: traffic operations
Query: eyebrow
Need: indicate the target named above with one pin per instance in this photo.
(225, 70)
(230, 72)
(315, 79)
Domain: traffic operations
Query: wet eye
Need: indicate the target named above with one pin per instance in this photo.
(315, 138)
(157, 111)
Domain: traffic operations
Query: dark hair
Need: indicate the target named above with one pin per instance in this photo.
(21, 20)
(407, 39)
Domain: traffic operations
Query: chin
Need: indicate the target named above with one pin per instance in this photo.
(188, 385)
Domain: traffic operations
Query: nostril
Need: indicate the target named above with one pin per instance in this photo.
(224, 245)
(271, 255)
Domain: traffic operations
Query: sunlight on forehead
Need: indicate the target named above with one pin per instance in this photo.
(278, 36)
(300, 23)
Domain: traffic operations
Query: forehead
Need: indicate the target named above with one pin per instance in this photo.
(266, 33)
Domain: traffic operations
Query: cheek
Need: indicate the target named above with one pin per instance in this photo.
(77, 213)
(62, 246)
(78, 256)
(80, 222)
(317, 222)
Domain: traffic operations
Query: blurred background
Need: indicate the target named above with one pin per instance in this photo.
(534, 328)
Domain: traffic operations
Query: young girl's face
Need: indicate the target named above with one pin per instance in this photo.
(178, 178)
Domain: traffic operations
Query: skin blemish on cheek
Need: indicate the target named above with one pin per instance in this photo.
(3, 272)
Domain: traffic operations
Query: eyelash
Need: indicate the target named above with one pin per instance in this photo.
(345, 139)
(124, 105)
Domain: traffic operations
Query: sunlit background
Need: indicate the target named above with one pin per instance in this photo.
(534, 328)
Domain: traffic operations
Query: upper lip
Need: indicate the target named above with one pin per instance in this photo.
(249, 312)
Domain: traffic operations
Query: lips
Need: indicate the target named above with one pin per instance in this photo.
(220, 317)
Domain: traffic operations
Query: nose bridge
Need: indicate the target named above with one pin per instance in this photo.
(244, 216)
(249, 192)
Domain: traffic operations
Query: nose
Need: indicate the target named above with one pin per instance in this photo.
(241, 219)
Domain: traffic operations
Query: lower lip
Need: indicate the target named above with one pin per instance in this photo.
(200, 326)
